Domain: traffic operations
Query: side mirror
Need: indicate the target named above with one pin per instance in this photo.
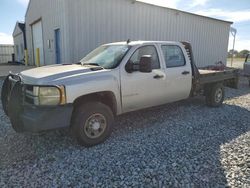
(145, 64)
(129, 67)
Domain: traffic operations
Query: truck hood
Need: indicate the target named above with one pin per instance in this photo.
(55, 74)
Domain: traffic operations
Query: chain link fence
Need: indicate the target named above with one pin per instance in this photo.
(6, 52)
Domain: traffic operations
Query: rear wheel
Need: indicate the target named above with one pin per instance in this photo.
(92, 123)
(215, 95)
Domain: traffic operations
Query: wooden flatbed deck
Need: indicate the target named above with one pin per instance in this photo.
(207, 71)
(211, 76)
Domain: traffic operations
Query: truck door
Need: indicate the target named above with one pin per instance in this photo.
(140, 90)
(247, 66)
(178, 72)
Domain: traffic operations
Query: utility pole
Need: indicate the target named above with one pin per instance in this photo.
(233, 33)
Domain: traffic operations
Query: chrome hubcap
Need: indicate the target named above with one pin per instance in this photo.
(95, 125)
(218, 95)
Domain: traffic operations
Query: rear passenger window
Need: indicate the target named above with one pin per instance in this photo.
(146, 50)
(173, 56)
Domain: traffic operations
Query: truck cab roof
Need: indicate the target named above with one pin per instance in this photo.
(135, 43)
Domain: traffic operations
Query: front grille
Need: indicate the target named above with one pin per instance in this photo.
(30, 97)
(29, 100)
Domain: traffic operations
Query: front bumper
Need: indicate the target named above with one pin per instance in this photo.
(31, 118)
(37, 119)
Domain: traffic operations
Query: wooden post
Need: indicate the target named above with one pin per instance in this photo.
(38, 57)
(26, 57)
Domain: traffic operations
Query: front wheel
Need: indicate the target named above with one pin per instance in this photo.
(92, 123)
(5, 95)
(215, 95)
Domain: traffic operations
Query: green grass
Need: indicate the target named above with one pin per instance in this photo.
(236, 60)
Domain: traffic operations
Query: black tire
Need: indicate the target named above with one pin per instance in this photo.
(5, 95)
(215, 95)
(15, 108)
(80, 121)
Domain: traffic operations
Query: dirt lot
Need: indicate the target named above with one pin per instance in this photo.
(184, 144)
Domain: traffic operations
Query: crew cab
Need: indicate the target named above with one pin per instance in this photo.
(247, 68)
(112, 80)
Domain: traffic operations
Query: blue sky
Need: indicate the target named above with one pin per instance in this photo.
(10, 12)
(231, 10)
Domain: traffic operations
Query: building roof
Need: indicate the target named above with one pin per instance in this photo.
(156, 5)
(19, 28)
(139, 42)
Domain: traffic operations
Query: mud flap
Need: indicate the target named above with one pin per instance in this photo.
(233, 83)
(15, 107)
(5, 94)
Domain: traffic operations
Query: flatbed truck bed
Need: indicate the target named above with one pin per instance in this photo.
(210, 76)
(204, 78)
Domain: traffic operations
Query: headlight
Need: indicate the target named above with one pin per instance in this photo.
(47, 95)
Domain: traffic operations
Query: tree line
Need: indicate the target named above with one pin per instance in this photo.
(238, 54)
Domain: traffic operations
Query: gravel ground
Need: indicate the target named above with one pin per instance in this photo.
(184, 144)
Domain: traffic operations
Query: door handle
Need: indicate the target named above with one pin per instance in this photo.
(158, 76)
(185, 72)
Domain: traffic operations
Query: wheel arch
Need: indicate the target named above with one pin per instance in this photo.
(106, 97)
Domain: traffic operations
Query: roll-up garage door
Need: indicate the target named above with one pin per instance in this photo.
(37, 34)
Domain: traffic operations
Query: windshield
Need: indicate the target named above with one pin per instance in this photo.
(108, 56)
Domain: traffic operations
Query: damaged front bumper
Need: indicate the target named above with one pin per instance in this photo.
(27, 117)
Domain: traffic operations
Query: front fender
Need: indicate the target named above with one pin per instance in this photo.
(94, 85)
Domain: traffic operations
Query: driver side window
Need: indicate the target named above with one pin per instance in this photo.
(146, 50)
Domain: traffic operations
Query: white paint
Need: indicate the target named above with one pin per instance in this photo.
(132, 91)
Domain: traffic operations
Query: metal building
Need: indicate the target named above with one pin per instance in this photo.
(6, 52)
(19, 41)
(65, 30)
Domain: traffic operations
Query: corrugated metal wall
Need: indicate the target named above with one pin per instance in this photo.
(85, 24)
(53, 15)
(6, 52)
(19, 47)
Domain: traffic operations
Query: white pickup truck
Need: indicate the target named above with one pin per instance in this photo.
(113, 79)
